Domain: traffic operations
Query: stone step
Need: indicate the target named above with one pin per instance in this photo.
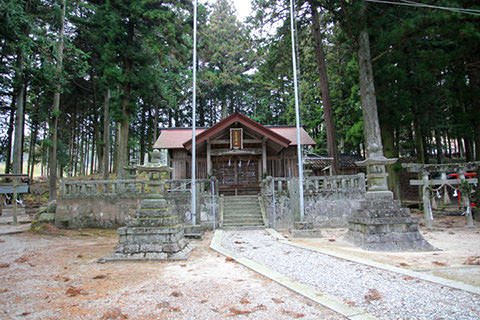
(243, 223)
(242, 216)
(245, 201)
(254, 223)
(241, 208)
(243, 227)
(257, 217)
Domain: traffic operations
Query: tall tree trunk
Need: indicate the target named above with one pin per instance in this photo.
(419, 148)
(56, 113)
(476, 129)
(143, 132)
(106, 135)
(94, 136)
(468, 149)
(11, 126)
(122, 160)
(327, 105)
(438, 145)
(155, 125)
(20, 96)
(31, 150)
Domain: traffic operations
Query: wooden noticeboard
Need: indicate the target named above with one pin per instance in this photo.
(236, 138)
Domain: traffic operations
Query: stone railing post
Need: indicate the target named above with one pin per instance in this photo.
(427, 209)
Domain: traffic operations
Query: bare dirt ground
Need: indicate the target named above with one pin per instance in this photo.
(456, 244)
(55, 276)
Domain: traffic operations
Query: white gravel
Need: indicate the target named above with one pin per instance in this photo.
(399, 296)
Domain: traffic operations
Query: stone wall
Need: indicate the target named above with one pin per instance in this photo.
(101, 212)
(328, 201)
(87, 205)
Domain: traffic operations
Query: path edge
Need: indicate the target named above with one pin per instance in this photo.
(422, 276)
(325, 300)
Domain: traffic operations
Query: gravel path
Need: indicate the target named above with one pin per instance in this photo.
(382, 293)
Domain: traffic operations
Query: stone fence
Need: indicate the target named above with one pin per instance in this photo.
(108, 203)
(328, 200)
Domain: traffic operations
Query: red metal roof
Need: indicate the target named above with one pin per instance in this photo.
(179, 138)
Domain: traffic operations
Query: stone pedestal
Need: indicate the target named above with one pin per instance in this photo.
(381, 224)
(155, 233)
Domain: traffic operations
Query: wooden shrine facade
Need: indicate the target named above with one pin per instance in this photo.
(238, 151)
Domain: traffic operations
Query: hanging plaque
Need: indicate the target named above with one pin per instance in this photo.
(236, 139)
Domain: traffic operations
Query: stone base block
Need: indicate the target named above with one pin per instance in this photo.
(193, 231)
(383, 225)
(304, 229)
(181, 255)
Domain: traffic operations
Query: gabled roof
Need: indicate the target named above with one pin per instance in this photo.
(175, 138)
(247, 122)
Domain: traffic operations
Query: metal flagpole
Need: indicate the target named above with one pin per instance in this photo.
(194, 115)
(297, 115)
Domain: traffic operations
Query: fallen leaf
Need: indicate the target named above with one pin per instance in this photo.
(176, 294)
(114, 314)
(73, 291)
(277, 300)
(473, 260)
(403, 264)
(21, 259)
(441, 264)
(100, 276)
(4, 265)
(236, 312)
(203, 301)
(350, 303)
(228, 259)
(373, 295)
(331, 240)
(163, 304)
(244, 301)
(174, 309)
(3, 290)
(26, 313)
(260, 307)
(292, 314)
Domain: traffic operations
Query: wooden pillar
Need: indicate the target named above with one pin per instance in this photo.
(261, 173)
(264, 156)
(209, 158)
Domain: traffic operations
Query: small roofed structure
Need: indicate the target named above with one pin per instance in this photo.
(238, 151)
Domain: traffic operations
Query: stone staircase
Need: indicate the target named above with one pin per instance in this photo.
(242, 212)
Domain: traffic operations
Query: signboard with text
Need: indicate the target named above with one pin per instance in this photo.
(236, 138)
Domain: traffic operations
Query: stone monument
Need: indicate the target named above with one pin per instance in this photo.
(380, 223)
(156, 232)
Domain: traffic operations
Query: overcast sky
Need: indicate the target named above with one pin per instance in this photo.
(243, 7)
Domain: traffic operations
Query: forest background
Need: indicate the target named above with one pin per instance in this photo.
(87, 85)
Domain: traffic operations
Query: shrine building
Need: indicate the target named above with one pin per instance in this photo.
(238, 151)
